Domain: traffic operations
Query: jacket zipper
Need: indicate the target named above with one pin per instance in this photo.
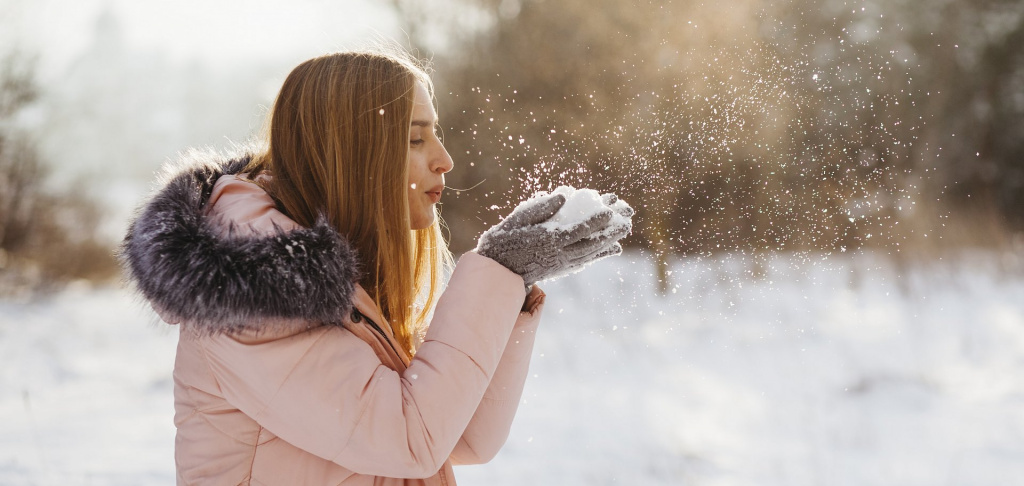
(379, 331)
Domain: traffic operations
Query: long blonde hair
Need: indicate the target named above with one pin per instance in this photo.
(338, 146)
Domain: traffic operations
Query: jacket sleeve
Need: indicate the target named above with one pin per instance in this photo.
(489, 428)
(326, 392)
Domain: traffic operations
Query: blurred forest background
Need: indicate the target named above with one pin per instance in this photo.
(743, 127)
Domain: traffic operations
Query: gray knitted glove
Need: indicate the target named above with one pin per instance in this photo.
(524, 245)
(607, 240)
(623, 209)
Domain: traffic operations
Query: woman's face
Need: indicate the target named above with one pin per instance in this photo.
(428, 161)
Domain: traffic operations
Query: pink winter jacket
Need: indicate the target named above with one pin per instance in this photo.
(297, 402)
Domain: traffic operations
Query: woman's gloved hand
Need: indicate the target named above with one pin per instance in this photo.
(529, 243)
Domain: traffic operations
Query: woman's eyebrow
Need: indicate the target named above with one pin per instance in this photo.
(423, 123)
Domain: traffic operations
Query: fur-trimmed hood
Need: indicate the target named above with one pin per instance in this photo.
(187, 269)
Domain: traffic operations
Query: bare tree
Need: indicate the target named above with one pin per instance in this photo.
(45, 238)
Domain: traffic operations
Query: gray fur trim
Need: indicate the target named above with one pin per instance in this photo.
(187, 270)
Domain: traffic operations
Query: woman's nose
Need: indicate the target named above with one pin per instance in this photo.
(442, 161)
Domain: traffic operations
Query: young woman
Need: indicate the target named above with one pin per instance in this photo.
(303, 276)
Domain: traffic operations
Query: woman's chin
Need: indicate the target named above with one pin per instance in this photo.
(421, 223)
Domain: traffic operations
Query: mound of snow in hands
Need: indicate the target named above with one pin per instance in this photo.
(581, 205)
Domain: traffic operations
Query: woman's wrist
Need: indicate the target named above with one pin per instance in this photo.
(534, 298)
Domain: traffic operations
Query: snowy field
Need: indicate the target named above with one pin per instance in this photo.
(800, 371)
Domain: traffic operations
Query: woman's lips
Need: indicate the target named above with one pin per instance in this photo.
(435, 194)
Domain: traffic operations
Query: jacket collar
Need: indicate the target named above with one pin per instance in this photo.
(186, 268)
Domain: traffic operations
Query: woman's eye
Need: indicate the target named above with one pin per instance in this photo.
(416, 142)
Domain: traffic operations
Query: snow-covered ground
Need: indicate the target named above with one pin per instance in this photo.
(799, 371)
